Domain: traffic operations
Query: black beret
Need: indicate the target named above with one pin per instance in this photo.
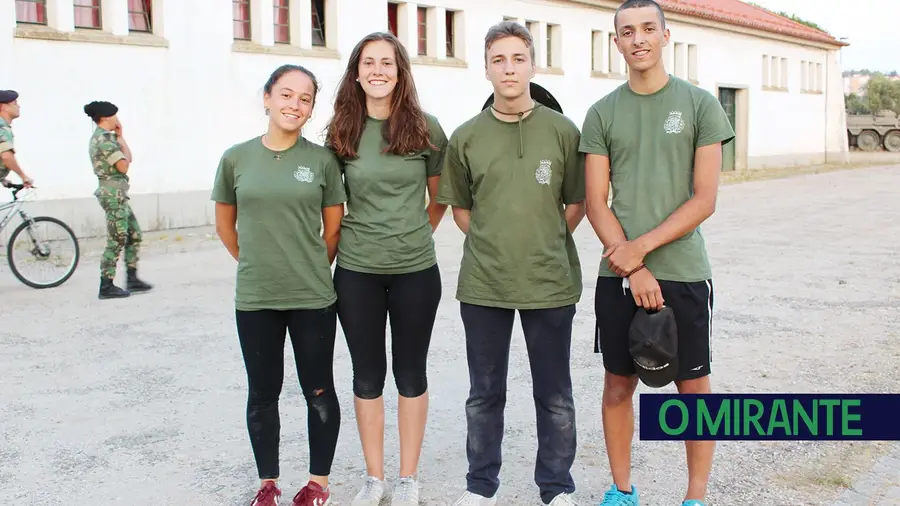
(7, 96)
(100, 109)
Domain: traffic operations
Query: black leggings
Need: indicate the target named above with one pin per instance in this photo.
(364, 303)
(262, 335)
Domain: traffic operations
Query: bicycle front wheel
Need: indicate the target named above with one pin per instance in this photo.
(43, 252)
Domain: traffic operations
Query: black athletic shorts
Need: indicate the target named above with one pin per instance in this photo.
(692, 304)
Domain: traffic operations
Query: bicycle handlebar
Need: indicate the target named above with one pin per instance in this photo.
(15, 188)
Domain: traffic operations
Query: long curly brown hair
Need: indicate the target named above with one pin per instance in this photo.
(405, 130)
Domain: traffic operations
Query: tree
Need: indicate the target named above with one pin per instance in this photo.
(883, 94)
(855, 104)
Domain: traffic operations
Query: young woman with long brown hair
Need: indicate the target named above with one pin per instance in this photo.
(390, 151)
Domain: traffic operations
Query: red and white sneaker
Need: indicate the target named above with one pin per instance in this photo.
(313, 495)
(268, 495)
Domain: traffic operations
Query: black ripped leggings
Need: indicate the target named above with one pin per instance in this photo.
(262, 335)
(365, 301)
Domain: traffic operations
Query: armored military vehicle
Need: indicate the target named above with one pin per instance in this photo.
(869, 132)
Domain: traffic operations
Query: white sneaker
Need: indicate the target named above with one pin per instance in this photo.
(563, 500)
(406, 492)
(470, 499)
(372, 493)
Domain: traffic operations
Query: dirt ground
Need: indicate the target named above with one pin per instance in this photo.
(141, 401)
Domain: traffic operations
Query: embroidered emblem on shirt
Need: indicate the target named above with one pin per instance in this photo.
(542, 174)
(674, 124)
(303, 174)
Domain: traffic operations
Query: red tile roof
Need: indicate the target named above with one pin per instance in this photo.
(736, 12)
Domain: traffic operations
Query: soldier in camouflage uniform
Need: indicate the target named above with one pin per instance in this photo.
(111, 158)
(9, 110)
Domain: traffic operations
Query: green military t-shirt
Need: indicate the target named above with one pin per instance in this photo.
(105, 150)
(386, 229)
(6, 144)
(515, 177)
(650, 141)
(282, 260)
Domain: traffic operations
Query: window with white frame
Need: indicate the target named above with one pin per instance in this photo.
(241, 19)
(680, 69)
(615, 60)
(815, 72)
(302, 24)
(533, 28)
(428, 32)
(553, 46)
(281, 21)
(775, 72)
(421, 31)
(319, 35)
(87, 14)
(774, 77)
(820, 82)
(783, 75)
(116, 17)
(32, 12)
(804, 76)
(448, 33)
(598, 52)
(392, 19)
(693, 63)
(140, 16)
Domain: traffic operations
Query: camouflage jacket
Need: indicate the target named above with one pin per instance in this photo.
(6, 144)
(105, 151)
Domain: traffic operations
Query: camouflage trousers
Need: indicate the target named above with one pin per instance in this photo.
(122, 231)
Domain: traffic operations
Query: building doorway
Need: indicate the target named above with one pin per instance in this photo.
(728, 99)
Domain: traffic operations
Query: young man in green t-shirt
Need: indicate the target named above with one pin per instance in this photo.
(515, 181)
(658, 139)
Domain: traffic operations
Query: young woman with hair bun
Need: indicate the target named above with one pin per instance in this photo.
(111, 159)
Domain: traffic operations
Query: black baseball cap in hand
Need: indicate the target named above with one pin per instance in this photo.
(653, 343)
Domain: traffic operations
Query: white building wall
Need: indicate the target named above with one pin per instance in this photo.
(188, 92)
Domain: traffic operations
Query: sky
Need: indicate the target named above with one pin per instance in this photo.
(869, 25)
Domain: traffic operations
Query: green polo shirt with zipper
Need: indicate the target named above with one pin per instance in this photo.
(516, 178)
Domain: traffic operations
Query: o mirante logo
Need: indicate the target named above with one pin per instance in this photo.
(768, 417)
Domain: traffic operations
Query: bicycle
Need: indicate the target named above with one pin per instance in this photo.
(38, 248)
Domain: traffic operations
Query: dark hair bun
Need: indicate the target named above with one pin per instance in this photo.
(97, 110)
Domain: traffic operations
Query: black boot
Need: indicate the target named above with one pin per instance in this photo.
(110, 291)
(135, 284)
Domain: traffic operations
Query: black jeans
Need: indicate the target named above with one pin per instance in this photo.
(364, 303)
(262, 335)
(548, 337)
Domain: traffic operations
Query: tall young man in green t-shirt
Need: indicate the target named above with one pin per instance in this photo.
(658, 140)
(515, 181)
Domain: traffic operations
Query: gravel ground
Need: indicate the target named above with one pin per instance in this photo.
(141, 401)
